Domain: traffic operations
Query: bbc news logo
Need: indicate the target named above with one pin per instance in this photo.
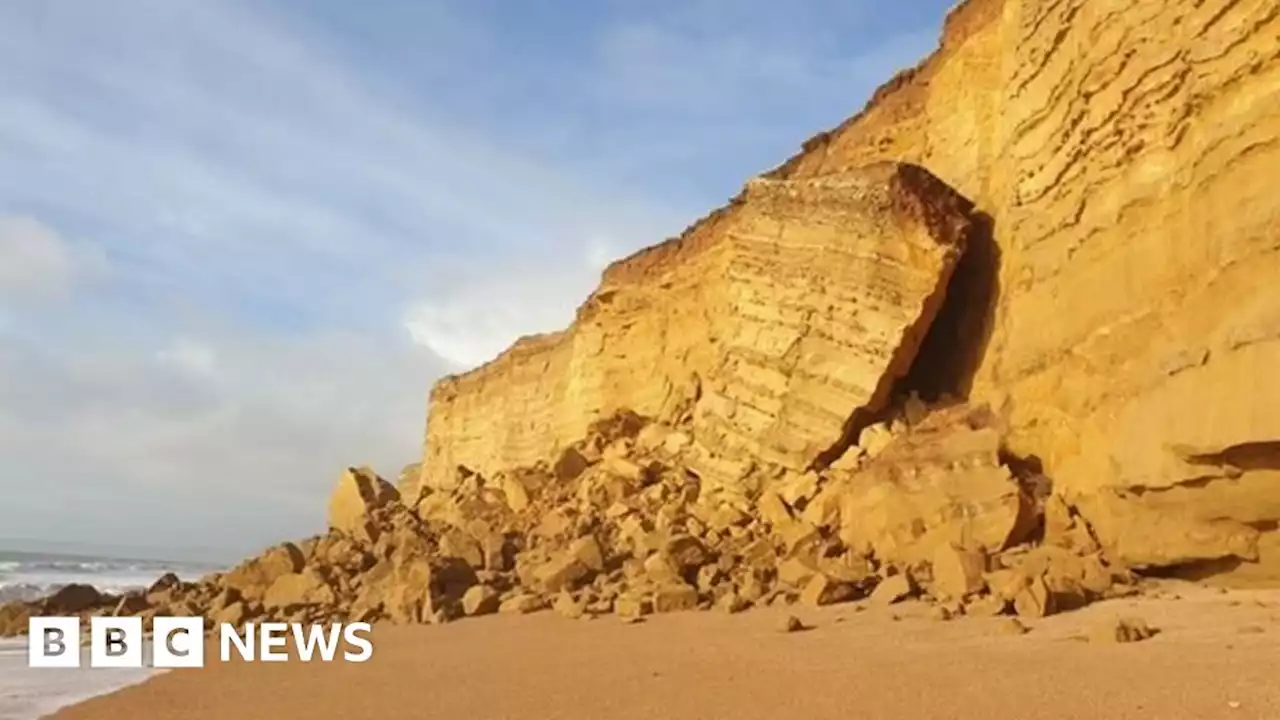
(178, 642)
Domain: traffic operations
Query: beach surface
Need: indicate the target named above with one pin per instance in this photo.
(1217, 655)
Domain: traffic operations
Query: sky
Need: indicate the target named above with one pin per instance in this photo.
(239, 239)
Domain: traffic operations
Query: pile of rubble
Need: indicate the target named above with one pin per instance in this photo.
(923, 506)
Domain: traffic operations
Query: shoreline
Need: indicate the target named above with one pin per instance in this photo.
(1213, 657)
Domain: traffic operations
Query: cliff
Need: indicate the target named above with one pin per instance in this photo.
(1115, 301)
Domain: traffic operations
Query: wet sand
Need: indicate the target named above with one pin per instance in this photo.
(1217, 655)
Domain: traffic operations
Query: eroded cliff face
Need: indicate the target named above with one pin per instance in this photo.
(765, 328)
(1116, 305)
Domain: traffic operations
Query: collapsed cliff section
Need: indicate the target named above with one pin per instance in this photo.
(766, 329)
(1117, 308)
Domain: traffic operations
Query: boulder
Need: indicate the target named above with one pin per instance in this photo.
(822, 590)
(674, 597)
(304, 588)
(893, 589)
(358, 494)
(957, 573)
(252, 577)
(72, 600)
(480, 600)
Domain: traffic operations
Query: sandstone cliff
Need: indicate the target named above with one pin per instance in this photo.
(1115, 301)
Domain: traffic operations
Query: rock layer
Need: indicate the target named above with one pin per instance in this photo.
(765, 328)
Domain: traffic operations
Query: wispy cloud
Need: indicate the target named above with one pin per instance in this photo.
(238, 241)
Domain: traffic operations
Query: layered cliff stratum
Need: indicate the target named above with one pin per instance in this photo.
(1068, 215)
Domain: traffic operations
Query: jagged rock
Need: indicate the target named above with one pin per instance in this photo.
(957, 573)
(632, 606)
(791, 624)
(563, 572)
(13, 618)
(480, 600)
(359, 493)
(674, 597)
(294, 589)
(893, 589)
(237, 613)
(1033, 600)
(72, 599)
(567, 606)
(522, 604)
(942, 483)
(822, 590)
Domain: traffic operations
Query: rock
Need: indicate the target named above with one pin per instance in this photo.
(130, 604)
(893, 589)
(72, 599)
(304, 588)
(163, 584)
(1123, 630)
(957, 573)
(791, 624)
(522, 604)
(458, 544)
(629, 606)
(566, 606)
(563, 572)
(358, 494)
(236, 614)
(571, 464)
(674, 597)
(586, 550)
(796, 572)
(731, 603)
(985, 606)
(13, 618)
(252, 577)
(1033, 600)
(479, 600)
(874, 439)
(822, 590)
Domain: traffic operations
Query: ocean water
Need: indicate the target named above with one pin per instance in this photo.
(28, 693)
(31, 575)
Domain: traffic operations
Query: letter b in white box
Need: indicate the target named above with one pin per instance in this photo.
(178, 642)
(115, 642)
(53, 642)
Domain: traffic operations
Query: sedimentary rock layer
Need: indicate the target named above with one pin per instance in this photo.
(765, 327)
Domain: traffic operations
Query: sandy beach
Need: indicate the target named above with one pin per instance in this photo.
(1217, 655)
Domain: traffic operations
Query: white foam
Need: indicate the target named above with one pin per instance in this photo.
(29, 693)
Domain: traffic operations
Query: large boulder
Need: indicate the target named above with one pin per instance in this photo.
(252, 577)
(358, 494)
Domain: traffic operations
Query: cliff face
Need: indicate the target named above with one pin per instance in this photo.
(765, 328)
(1116, 303)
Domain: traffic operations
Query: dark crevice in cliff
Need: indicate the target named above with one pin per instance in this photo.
(1194, 571)
(953, 347)
(956, 343)
(1250, 456)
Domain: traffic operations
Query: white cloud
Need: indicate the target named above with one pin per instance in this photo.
(34, 260)
(191, 356)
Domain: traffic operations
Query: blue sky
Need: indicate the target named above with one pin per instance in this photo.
(239, 240)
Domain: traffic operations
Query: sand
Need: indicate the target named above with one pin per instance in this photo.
(1218, 655)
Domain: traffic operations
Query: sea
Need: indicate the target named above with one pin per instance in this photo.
(29, 693)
